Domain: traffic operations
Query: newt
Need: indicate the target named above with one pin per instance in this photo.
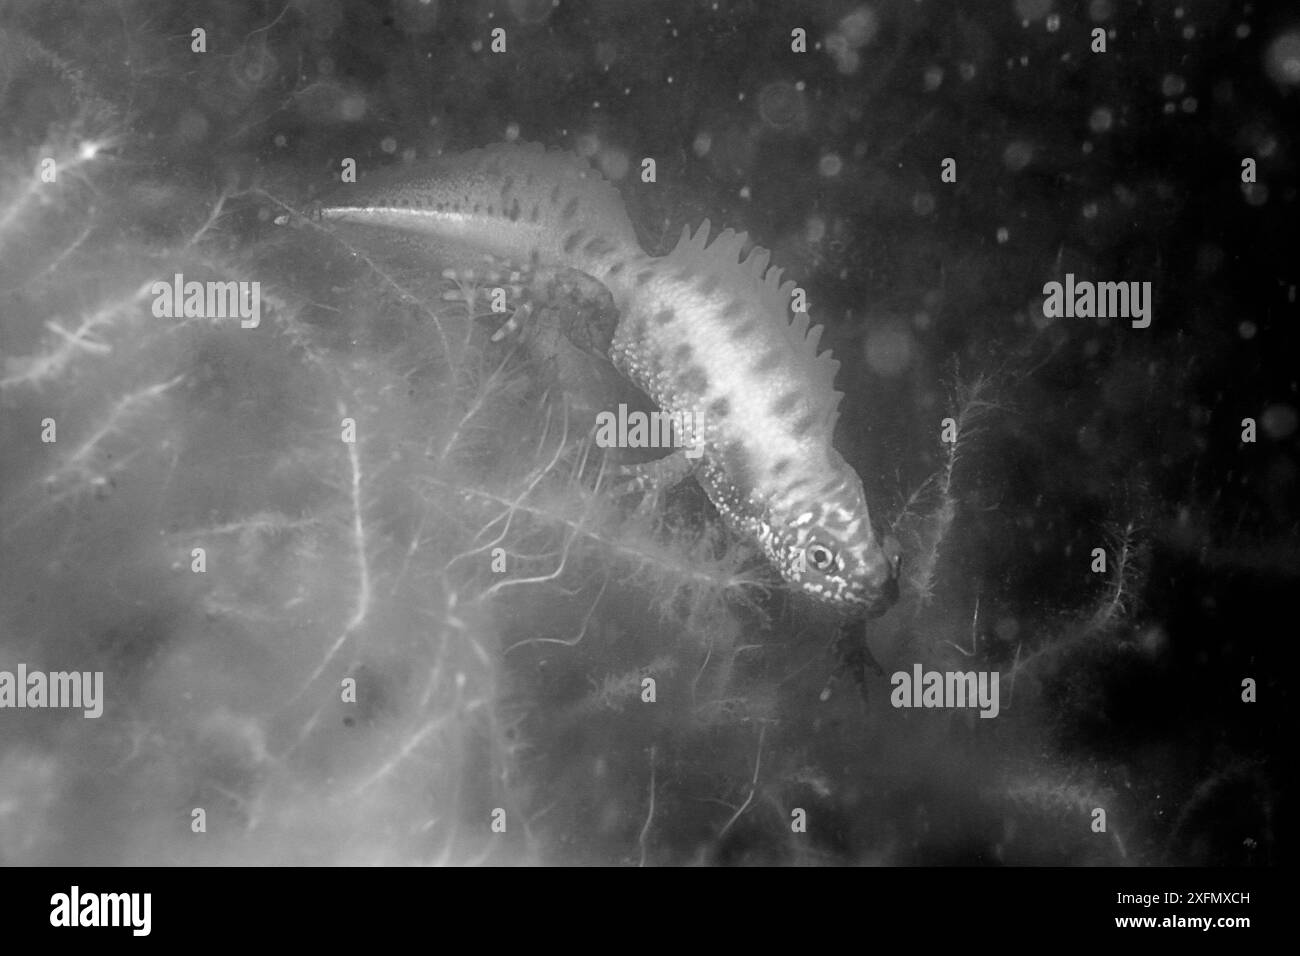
(708, 335)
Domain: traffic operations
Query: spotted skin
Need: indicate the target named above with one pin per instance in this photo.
(707, 334)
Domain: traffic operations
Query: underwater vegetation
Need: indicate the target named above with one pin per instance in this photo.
(363, 588)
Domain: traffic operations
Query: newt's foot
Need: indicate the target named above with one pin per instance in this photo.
(852, 658)
(652, 479)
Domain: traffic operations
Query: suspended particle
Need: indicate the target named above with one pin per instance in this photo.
(1189, 104)
(1256, 193)
(1278, 421)
(923, 204)
(532, 11)
(1033, 10)
(352, 107)
(932, 78)
(512, 132)
(1090, 210)
(889, 350)
(1101, 119)
(1247, 329)
(1053, 22)
(781, 106)
(1172, 85)
(859, 27)
(1003, 234)
(1282, 60)
(1100, 10)
(703, 143)
(830, 165)
(614, 163)
(1017, 155)
(388, 145)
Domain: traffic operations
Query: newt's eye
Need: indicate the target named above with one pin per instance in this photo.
(821, 557)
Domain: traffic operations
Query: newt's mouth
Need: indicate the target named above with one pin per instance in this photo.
(881, 589)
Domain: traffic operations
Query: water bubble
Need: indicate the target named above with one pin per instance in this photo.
(1099, 10)
(512, 132)
(1053, 22)
(1189, 104)
(614, 163)
(859, 27)
(1090, 210)
(1243, 30)
(830, 165)
(1003, 234)
(1017, 155)
(1033, 9)
(532, 11)
(923, 204)
(814, 230)
(388, 145)
(254, 66)
(1256, 193)
(352, 107)
(1247, 329)
(967, 71)
(781, 106)
(703, 143)
(1283, 59)
(1279, 421)
(933, 78)
(889, 349)
(1172, 85)
(1189, 32)
(1101, 119)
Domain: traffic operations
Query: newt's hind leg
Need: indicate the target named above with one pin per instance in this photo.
(537, 305)
(653, 479)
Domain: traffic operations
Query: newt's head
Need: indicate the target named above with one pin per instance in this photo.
(828, 549)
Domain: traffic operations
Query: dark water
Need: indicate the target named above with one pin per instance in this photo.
(351, 672)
